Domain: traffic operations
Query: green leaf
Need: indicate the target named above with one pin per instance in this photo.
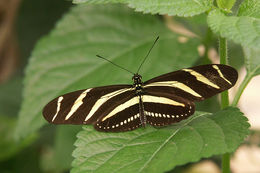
(159, 150)
(226, 4)
(98, 1)
(64, 140)
(66, 61)
(173, 7)
(196, 24)
(11, 97)
(58, 158)
(243, 30)
(252, 61)
(8, 145)
(250, 8)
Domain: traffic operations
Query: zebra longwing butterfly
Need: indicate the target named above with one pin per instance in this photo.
(161, 101)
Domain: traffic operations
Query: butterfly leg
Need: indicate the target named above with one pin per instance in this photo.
(141, 111)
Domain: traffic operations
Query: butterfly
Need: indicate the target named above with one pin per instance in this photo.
(160, 101)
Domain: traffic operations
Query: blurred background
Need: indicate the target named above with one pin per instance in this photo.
(22, 23)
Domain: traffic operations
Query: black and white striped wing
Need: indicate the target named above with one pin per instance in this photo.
(84, 106)
(123, 116)
(196, 83)
(162, 109)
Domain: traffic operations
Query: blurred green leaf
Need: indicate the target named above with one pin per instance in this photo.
(173, 7)
(35, 19)
(63, 147)
(226, 4)
(159, 150)
(10, 100)
(47, 160)
(8, 145)
(57, 158)
(196, 24)
(252, 61)
(243, 30)
(249, 8)
(235, 55)
(11, 97)
(23, 162)
(65, 60)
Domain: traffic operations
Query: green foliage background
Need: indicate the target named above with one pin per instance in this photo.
(63, 60)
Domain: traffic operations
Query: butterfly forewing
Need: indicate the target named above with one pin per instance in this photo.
(79, 107)
(196, 83)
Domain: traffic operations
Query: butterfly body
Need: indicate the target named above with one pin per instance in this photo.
(161, 101)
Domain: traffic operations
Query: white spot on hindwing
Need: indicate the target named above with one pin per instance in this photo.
(155, 114)
(122, 123)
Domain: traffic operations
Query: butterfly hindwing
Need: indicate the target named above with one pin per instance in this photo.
(79, 107)
(196, 83)
(123, 116)
(162, 109)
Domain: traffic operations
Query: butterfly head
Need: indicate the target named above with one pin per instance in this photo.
(137, 79)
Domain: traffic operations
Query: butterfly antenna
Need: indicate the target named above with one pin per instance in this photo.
(115, 64)
(148, 54)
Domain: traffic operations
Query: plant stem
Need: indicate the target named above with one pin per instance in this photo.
(241, 88)
(223, 60)
(226, 163)
(207, 41)
(224, 99)
(223, 50)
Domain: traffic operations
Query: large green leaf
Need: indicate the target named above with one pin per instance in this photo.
(65, 60)
(159, 150)
(173, 7)
(243, 30)
(250, 8)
